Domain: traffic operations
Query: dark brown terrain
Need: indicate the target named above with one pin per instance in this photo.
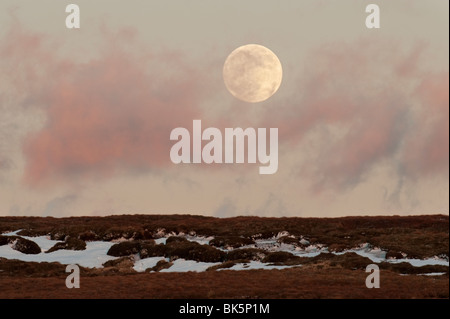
(324, 276)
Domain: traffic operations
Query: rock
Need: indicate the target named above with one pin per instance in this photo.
(142, 235)
(224, 265)
(71, 243)
(150, 249)
(30, 233)
(394, 255)
(57, 236)
(193, 251)
(304, 242)
(172, 239)
(231, 241)
(288, 240)
(88, 236)
(246, 253)
(125, 248)
(160, 265)
(23, 245)
(338, 247)
(3, 240)
(123, 264)
(279, 257)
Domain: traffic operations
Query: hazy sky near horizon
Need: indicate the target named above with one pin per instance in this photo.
(86, 115)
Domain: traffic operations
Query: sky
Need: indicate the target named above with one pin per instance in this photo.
(86, 114)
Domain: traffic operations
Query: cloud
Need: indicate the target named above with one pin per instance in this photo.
(360, 104)
(226, 209)
(111, 113)
(427, 149)
(359, 98)
(273, 205)
(5, 163)
(59, 204)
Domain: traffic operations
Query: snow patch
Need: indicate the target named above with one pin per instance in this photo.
(199, 239)
(92, 257)
(160, 232)
(42, 241)
(283, 234)
(421, 262)
(143, 264)
(256, 265)
(12, 233)
(182, 265)
(161, 240)
(305, 242)
(95, 253)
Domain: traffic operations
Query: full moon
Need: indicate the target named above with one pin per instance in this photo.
(252, 73)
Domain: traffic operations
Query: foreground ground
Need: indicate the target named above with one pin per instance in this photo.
(337, 272)
(287, 283)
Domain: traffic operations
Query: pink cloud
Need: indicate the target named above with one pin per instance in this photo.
(427, 149)
(366, 92)
(116, 112)
(112, 113)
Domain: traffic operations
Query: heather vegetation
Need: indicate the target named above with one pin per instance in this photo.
(338, 272)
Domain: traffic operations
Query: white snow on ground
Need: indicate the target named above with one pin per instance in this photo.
(161, 241)
(266, 244)
(13, 233)
(182, 265)
(433, 274)
(95, 254)
(310, 251)
(143, 264)
(377, 256)
(256, 265)
(420, 262)
(304, 241)
(283, 234)
(120, 240)
(199, 239)
(43, 241)
(271, 245)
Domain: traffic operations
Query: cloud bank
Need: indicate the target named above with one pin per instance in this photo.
(349, 111)
(369, 103)
(113, 112)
